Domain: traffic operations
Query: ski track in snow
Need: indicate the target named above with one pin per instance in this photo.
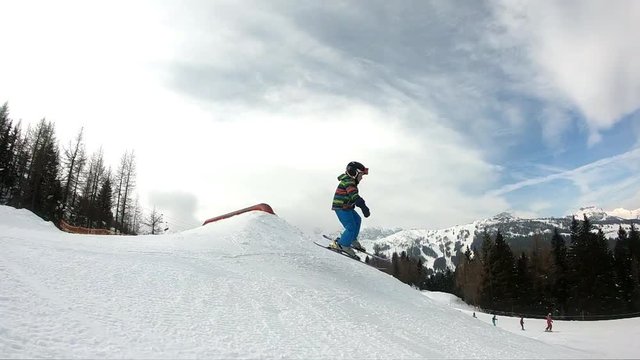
(248, 287)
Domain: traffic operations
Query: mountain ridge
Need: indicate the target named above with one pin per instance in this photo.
(441, 248)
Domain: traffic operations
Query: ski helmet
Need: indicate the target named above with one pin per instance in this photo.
(354, 168)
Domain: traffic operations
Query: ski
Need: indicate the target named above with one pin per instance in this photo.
(362, 251)
(356, 258)
(338, 251)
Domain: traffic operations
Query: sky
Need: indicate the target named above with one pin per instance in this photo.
(461, 110)
(251, 286)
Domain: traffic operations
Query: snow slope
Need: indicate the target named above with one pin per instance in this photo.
(602, 339)
(251, 286)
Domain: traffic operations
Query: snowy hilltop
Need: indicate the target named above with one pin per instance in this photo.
(598, 214)
(251, 286)
(441, 249)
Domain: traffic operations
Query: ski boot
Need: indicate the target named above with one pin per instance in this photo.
(356, 245)
(345, 249)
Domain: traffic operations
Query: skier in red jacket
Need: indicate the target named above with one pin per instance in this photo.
(549, 322)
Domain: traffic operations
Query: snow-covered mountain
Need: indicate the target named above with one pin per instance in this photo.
(442, 248)
(598, 214)
(625, 214)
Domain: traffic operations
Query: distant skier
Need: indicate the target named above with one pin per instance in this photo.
(474, 314)
(522, 322)
(493, 319)
(345, 200)
(549, 322)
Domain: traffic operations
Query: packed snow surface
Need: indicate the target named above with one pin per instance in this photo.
(251, 286)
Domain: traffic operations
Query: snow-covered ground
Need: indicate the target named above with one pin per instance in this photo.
(601, 339)
(251, 286)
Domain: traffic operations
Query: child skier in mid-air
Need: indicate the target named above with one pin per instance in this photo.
(345, 200)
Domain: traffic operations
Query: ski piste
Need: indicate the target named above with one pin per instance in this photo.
(362, 251)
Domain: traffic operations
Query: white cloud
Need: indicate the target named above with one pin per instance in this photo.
(267, 102)
(583, 51)
(605, 182)
(296, 109)
(555, 123)
(618, 193)
(291, 160)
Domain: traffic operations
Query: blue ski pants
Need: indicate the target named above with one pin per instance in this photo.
(351, 222)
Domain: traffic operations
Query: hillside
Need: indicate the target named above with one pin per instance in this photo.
(247, 287)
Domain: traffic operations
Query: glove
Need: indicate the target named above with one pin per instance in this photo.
(365, 210)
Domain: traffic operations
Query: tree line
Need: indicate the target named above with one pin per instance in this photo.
(65, 183)
(574, 277)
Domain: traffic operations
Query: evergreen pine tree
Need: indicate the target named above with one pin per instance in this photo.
(487, 245)
(405, 268)
(541, 263)
(559, 280)
(634, 242)
(395, 265)
(575, 256)
(104, 204)
(592, 270)
(418, 275)
(488, 294)
(9, 136)
(20, 168)
(467, 254)
(523, 284)
(43, 193)
(634, 253)
(502, 274)
(623, 269)
(604, 300)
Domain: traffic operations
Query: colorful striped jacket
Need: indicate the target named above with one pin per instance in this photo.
(346, 194)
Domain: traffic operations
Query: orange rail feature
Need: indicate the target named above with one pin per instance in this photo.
(82, 230)
(260, 207)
